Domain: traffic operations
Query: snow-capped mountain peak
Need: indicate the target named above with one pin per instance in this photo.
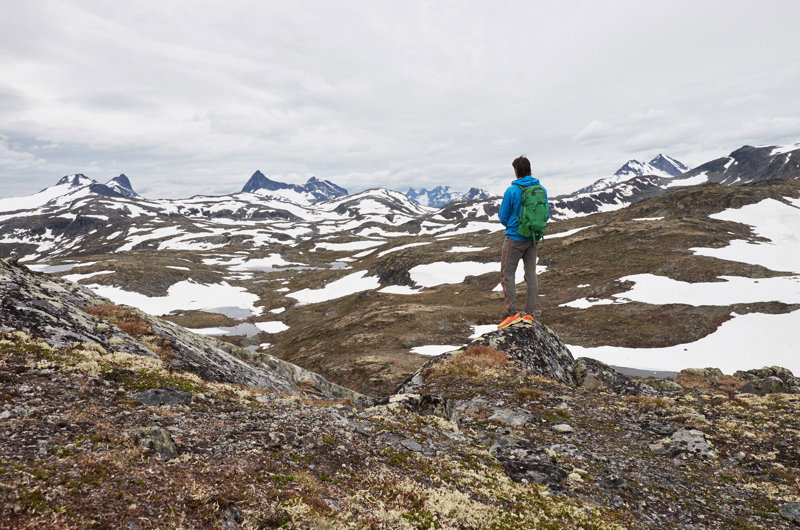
(122, 185)
(74, 181)
(443, 195)
(659, 166)
(669, 165)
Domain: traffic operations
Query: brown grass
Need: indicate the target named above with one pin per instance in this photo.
(529, 394)
(475, 360)
(725, 383)
(134, 325)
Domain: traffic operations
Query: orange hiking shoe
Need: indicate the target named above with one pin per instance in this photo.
(527, 318)
(508, 321)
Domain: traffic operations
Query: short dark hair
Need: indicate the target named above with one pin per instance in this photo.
(522, 166)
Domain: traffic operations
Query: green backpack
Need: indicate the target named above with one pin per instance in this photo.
(533, 214)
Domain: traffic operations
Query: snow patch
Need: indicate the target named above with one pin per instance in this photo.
(384, 252)
(350, 284)
(567, 233)
(700, 178)
(467, 249)
(79, 277)
(185, 295)
(482, 329)
(433, 349)
(399, 289)
(660, 290)
(272, 326)
(441, 272)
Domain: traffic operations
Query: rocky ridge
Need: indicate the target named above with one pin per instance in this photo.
(64, 313)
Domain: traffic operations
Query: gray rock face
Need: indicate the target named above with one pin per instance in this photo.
(163, 396)
(534, 348)
(156, 440)
(523, 462)
(563, 428)
(689, 441)
(591, 373)
(791, 511)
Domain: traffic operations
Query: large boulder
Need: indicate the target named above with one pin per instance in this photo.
(534, 348)
(156, 440)
(762, 387)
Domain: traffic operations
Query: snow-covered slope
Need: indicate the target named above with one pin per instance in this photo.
(68, 189)
(64, 186)
(747, 164)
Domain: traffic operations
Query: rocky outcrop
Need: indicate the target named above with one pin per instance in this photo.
(163, 396)
(56, 310)
(768, 380)
(535, 349)
(762, 387)
(593, 374)
(524, 462)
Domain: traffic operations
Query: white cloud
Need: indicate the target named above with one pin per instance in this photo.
(187, 99)
(594, 131)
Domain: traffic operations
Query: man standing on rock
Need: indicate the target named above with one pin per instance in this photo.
(518, 247)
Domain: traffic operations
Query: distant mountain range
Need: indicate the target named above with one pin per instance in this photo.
(636, 180)
(314, 190)
(56, 220)
(659, 166)
(443, 195)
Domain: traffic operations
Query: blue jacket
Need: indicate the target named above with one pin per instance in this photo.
(511, 207)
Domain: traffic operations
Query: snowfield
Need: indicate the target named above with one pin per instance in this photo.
(742, 343)
(660, 290)
(185, 295)
(774, 220)
(350, 284)
(442, 272)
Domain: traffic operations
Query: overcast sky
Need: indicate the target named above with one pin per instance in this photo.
(192, 97)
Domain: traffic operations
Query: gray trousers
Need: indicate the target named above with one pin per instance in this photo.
(513, 251)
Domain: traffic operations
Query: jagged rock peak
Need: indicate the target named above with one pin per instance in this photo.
(669, 165)
(121, 184)
(259, 181)
(313, 191)
(123, 180)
